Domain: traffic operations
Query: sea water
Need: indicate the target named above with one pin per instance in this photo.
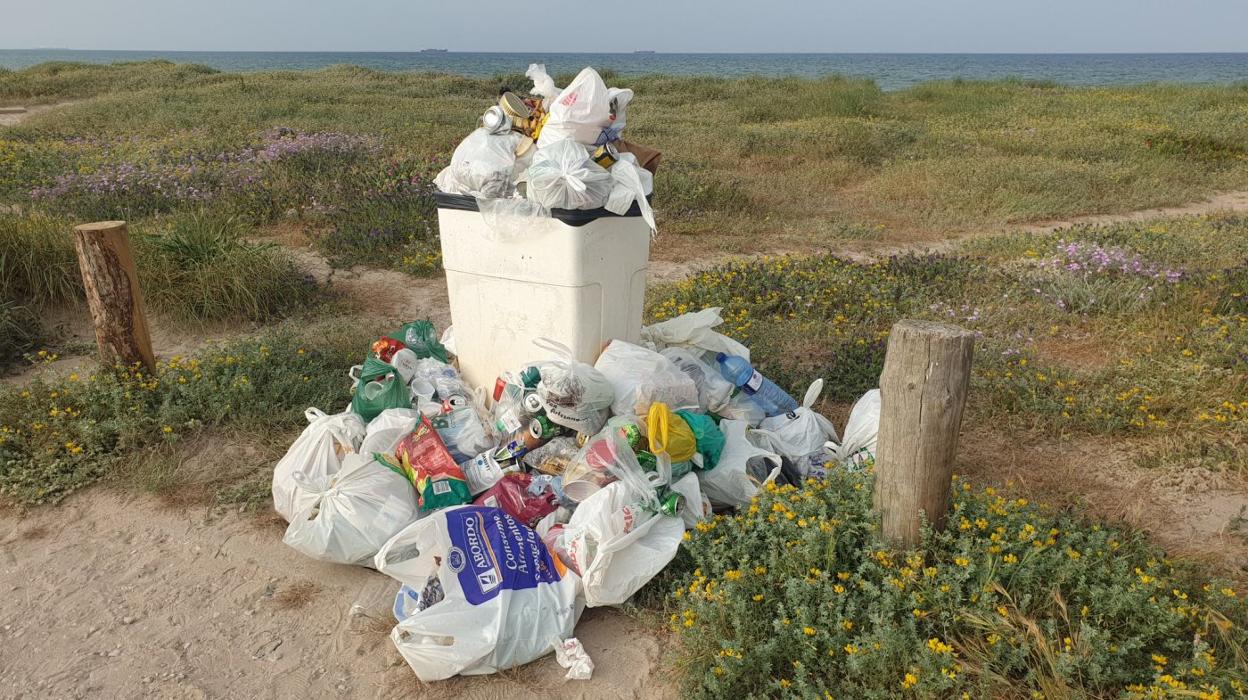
(890, 71)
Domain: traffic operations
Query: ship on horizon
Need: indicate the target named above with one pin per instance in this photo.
(433, 51)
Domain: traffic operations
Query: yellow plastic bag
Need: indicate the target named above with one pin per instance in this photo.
(670, 434)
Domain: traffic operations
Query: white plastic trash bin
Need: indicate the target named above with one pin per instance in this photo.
(578, 277)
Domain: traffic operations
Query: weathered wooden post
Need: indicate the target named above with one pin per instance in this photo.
(922, 393)
(111, 283)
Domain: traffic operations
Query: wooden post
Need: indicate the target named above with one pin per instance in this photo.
(111, 283)
(922, 393)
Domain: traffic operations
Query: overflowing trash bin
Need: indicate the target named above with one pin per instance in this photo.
(553, 457)
(545, 225)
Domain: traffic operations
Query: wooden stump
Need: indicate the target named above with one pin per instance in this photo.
(111, 283)
(922, 394)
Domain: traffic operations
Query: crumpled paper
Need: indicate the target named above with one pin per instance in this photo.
(572, 655)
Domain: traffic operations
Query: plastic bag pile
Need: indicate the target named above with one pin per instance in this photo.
(559, 148)
(503, 512)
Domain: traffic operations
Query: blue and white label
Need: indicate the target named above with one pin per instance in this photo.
(499, 553)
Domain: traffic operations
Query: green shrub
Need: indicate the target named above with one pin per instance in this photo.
(58, 435)
(199, 267)
(37, 260)
(795, 597)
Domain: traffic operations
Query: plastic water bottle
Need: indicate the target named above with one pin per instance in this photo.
(772, 399)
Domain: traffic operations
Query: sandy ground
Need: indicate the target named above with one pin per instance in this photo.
(12, 116)
(119, 596)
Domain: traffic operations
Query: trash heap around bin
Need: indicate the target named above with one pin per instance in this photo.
(503, 511)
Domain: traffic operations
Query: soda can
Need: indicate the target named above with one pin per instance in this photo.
(496, 121)
(582, 438)
(533, 403)
(671, 503)
(542, 429)
(648, 461)
(530, 377)
(632, 435)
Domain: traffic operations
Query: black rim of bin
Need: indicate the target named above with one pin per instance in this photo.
(571, 217)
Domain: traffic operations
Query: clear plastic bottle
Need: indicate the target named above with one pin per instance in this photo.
(771, 398)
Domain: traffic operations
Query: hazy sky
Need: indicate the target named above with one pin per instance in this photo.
(661, 25)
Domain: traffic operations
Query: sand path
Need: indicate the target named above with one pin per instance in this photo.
(109, 595)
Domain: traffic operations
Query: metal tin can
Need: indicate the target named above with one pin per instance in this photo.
(604, 156)
(671, 503)
(632, 435)
(542, 429)
(496, 121)
(533, 403)
(648, 461)
(514, 106)
(582, 438)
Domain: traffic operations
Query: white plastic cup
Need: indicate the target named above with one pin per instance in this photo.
(422, 390)
(404, 362)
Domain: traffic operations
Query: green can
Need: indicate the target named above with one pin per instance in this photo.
(671, 503)
(530, 376)
(543, 429)
(648, 461)
(632, 435)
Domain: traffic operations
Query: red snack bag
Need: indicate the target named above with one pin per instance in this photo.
(385, 348)
(439, 480)
(511, 493)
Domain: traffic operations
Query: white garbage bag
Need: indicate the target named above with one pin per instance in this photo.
(742, 467)
(448, 340)
(563, 176)
(642, 377)
(741, 407)
(316, 453)
(353, 513)
(714, 392)
(617, 545)
(574, 394)
(385, 431)
(694, 330)
(579, 113)
(800, 433)
(861, 431)
(631, 183)
(696, 507)
(507, 598)
(484, 165)
(618, 99)
(543, 84)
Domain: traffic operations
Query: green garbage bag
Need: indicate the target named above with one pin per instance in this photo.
(708, 436)
(420, 338)
(370, 401)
